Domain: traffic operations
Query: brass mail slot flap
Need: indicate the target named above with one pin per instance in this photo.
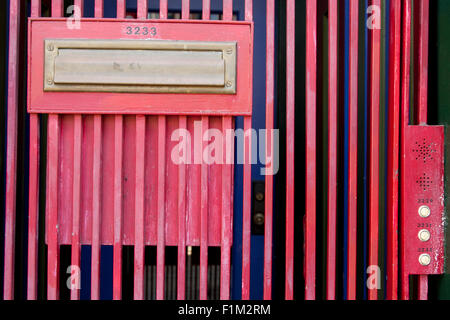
(140, 66)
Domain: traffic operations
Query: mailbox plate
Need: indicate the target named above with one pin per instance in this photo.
(161, 66)
(220, 53)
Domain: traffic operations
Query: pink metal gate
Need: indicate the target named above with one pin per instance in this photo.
(110, 179)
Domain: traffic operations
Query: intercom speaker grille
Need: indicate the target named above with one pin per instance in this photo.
(424, 182)
(424, 150)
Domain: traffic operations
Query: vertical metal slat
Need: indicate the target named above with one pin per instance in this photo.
(353, 150)
(268, 201)
(332, 147)
(311, 90)
(393, 150)
(406, 60)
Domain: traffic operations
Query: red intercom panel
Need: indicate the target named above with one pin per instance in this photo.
(423, 220)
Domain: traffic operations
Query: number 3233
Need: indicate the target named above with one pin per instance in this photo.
(143, 31)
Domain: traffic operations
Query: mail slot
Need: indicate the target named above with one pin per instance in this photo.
(140, 66)
(190, 68)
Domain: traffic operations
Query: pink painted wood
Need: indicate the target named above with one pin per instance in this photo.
(96, 208)
(374, 145)
(332, 147)
(268, 205)
(310, 218)
(421, 15)
(353, 151)
(53, 132)
(52, 195)
(118, 213)
(88, 151)
(405, 101)
(181, 275)
(40, 101)
(226, 209)
(393, 150)
(76, 224)
(206, 9)
(139, 248)
(33, 200)
(246, 210)
(160, 259)
(204, 217)
(76, 247)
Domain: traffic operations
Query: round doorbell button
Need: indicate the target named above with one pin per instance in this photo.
(424, 235)
(424, 211)
(424, 259)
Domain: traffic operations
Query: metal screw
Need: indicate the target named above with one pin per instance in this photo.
(50, 47)
(50, 81)
(229, 84)
(259, 219)
(229, 51)
(259, 196)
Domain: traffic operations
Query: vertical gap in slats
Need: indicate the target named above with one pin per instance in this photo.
(52, 190)
(270, 76)
(226, 214)
(76, 248)
(374, 145)
(204, 217)
(33, 200)
(311, 89)
(160, 254)
(96, 210)
(139, 246)
(332, 147)
(393, 150)
(405, 100)
(163, 9)
(353, 150)
(118, 226)
(181, 278)
(52, 207)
